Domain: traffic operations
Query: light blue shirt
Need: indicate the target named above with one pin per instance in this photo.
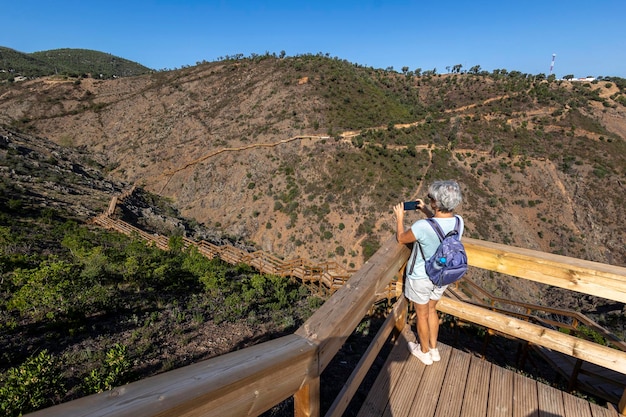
(427, 237)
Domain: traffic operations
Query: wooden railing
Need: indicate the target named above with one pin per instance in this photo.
(569, 321)
(250, 381)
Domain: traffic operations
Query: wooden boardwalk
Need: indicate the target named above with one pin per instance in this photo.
(465, 386)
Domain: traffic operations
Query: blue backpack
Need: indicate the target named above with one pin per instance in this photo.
(449, 262)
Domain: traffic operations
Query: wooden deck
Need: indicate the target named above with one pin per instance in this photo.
(465, 386)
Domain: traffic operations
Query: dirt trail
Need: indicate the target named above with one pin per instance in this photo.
(345, 136)
(169, 174)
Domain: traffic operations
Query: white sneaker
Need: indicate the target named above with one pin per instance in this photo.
(434, 355)
(416, 351)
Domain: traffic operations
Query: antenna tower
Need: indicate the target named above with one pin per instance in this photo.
(552, 64)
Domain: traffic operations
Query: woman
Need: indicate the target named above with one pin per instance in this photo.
(444, 197)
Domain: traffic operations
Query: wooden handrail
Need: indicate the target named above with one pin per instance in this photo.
(539, 335)
(575, 316)
(587, 277)
(396, 320)
(351, 302)
(242, 383)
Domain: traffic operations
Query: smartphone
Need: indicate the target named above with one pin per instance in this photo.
(410, 205)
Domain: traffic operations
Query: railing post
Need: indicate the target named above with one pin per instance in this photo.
(401, 321)
(621, 407)
(522, 353)
(574, 377)
(306, 401)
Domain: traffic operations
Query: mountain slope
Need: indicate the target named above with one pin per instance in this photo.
(66, 61)
(305, 156)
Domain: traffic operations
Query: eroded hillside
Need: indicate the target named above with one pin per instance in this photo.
(305, 156)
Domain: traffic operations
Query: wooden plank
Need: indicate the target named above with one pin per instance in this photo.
(602, 280)
(476, 395)
(408, 379)
(612, 410)
(553, 339)
(454, 383)
(550, 401)
(599, 411)
(500, 393)
(604, 383)
(307, 400)
(377, 400)
(427, 396)
(575, 406)
(352, 384)
(242, 383)
(524, 397)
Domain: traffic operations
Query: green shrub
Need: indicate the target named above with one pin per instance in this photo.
(113, 372)
(370, 246)
(54, 288)
(35, 384)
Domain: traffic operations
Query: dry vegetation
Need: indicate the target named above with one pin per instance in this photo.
(536, 158)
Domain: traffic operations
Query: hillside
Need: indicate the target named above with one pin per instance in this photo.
(305, 156)
(66, 61)
(72, 294)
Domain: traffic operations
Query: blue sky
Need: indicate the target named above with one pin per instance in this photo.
(588, 38)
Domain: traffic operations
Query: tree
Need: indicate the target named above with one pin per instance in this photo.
(568, 77)
(475, 69)
(457, 68)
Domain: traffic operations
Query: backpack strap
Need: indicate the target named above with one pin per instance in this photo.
(435, 225)
(438, 231)
(415, 257)
(457, 225)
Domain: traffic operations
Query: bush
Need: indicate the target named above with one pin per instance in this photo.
(370, 245)
(56, 288)
(33, 385)
(114, 371)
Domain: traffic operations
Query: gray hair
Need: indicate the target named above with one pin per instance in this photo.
(447, 194)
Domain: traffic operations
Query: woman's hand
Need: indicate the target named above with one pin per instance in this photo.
(398, 210)
(403, 236)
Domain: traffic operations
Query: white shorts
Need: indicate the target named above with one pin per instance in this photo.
(420, 291)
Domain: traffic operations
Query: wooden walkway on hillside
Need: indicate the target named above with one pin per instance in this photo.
(326, 277)
(462, 385)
